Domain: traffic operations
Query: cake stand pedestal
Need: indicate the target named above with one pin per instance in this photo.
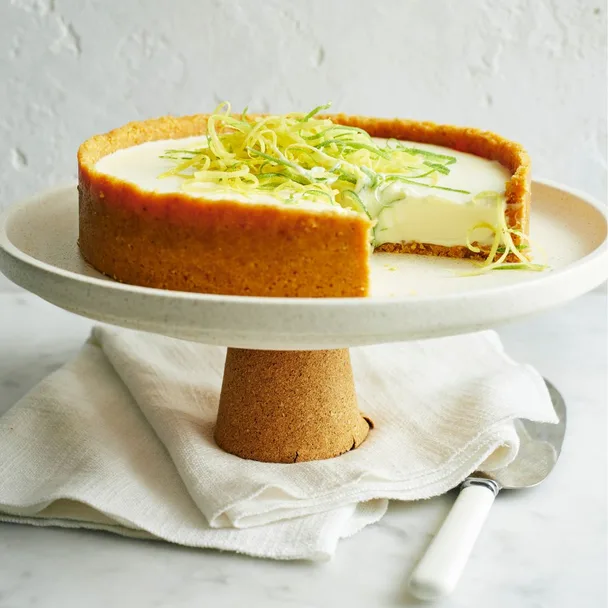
(288, 392)
(289, 406)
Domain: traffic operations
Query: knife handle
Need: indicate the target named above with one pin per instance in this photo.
(442, 564)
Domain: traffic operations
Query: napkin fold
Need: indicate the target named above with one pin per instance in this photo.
(121, 439)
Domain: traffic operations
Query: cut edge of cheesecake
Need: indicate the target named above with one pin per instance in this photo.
(180, 242)
(484, 144)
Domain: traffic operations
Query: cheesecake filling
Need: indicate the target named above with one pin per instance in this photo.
(461, 207)
(436, 221)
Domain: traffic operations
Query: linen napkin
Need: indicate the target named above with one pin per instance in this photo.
(121, 439)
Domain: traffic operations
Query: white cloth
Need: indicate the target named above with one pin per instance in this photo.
(121, 439)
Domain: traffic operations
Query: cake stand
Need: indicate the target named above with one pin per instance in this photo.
(288, 392)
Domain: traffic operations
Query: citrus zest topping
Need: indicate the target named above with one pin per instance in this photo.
(297, 156)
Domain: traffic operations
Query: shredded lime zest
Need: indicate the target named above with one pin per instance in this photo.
(502, 244)
(300, 157)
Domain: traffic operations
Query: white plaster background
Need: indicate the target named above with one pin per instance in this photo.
(533, 70)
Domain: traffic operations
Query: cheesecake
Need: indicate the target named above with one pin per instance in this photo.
(295, 204)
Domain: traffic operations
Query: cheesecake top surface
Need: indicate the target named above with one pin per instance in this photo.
(306, 160)
(149, 167)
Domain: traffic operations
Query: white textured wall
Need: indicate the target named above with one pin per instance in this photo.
(533, 70)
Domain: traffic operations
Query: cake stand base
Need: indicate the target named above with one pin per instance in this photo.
(289, 406)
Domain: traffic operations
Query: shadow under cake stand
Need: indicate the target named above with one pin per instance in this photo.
(288, 392)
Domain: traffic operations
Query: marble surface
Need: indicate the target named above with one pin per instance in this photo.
(541, 548)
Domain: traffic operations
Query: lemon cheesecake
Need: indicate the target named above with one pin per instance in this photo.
(294, 205)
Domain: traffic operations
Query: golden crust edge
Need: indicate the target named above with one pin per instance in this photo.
(456, 251)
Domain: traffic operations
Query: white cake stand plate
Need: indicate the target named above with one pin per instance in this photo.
(412, 297)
